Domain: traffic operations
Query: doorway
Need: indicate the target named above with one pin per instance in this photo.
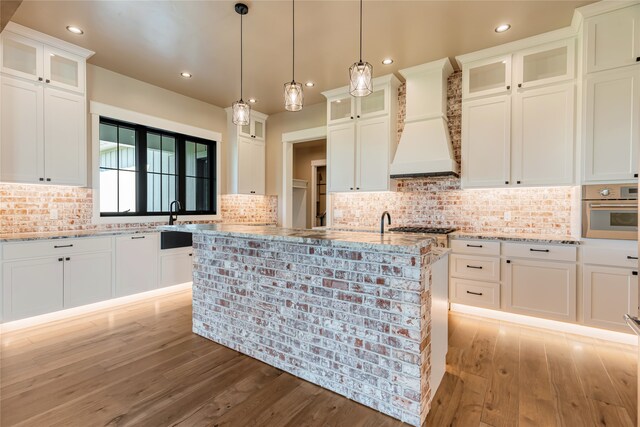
(309, 193)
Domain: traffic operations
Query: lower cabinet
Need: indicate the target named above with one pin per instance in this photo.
(609, 294)
(176, 266)
(87, 278)
(136, 263)
(540, 288)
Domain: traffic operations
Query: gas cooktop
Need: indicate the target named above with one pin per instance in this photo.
(426, 230)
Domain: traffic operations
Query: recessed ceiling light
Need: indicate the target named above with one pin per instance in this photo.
(387, 61)
(186, 75)
(74, 30)
(309, 84)
(502, 28)
(253, 100)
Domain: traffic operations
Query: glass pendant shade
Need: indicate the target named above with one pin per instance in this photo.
(360, 79)
(241, 113)
(293, 96)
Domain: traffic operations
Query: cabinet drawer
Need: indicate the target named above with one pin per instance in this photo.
(475, 267)
(475, 247)
(617, 257)
(54, 247)
(476, 293)
(538, 251)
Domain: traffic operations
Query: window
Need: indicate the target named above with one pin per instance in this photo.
(142, 170)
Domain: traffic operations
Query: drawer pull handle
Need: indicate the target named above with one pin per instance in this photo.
(539, 250)
(474, 246)
(631, 257)
(138, 237)
(62, 246)
(475, 293)
(477, 267)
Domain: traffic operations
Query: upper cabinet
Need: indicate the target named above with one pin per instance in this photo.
(43, 109)
(612, 39)
(362, 137)
(518, 117)
(246, 155)
(611, 96)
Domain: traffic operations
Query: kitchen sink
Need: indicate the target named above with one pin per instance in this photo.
(175, 239)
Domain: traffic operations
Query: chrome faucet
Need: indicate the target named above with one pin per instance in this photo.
(382, 220)
(173, 215)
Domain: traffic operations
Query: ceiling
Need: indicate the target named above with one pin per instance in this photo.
(154, 41)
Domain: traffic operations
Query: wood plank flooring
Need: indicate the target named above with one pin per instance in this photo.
(141, 365)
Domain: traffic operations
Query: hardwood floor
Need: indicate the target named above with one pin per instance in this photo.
(140, 365)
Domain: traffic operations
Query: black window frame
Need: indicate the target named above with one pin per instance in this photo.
(181, 140)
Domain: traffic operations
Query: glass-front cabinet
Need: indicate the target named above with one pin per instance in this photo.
(63, 69)
(486, 77)
(549, 63)
(255, 129)
(343, 108)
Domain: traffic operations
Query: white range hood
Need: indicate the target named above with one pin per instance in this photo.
(425, 145)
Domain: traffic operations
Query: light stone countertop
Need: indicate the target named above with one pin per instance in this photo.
(393, 242)
(517, 237)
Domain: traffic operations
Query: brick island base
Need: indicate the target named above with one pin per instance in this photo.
(350, 312)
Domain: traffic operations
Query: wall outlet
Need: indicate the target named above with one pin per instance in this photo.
(53, 214)
(507, 215)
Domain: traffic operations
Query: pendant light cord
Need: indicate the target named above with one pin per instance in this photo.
(293, 27)
(241, 50)
(360, 30)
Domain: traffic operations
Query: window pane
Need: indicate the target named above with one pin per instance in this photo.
(127, 191)
(108, 190)
(168, 191)
(153, 152)
(127, 148)
(197, 194)
(168, 154)
(108, 146)
(197, 160)
(153, 192)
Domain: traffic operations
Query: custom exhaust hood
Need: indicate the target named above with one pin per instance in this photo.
(425, 145)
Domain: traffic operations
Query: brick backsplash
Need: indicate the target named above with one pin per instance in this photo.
(27, 208)
(440, 202)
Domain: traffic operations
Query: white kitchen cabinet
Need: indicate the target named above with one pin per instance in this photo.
(612, 39)
(543, 136)
(486, 147)
(609, 294)
(342, 107)
(21, 56)
(251, 166)
(372, 154)
(611, 125)
(490, 76)
(546, 64)
(87, 278)
(341, 157)
(538, 288)
(176, 266)
(246, 155)
(32, 286)
(136, 263)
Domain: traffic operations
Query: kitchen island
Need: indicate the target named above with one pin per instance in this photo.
(361, 314)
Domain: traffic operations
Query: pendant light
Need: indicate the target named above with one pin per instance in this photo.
(360, 73)
(241, 110)
(293, 95)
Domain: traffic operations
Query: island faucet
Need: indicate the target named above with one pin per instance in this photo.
(382, 220)
(173, 215)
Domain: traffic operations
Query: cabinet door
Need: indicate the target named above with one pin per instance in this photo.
(372, 154)
(543, 137)
(176, 268)
(549, 63)
(32, 287)
(258, 128)
(136, 264)
(21, 57)
(609, 294)
(541, 288)
(613, 39)
(65, 159)
(486, 142)
(21, 131)
(341, 152)
(251, 166)
(612, 125)
(373, 105)
(87, 278)
(341, 109)
(63, 69)
(486, 77)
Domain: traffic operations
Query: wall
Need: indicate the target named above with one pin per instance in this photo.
(303, 154)
(32, 208)
(440, 202)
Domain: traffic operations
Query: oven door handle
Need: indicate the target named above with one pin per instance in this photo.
(613, 205)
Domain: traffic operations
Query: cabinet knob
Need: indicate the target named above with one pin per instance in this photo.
(638, 59)
(506, 182)
(635, 273)
(351, 117)
(39, 79)
(351, 188)
(508, 261)
(252, 192)
(358, 117)
(357, 188)
(517, 182)
(40, 179)
(635, 175)
(60, 259)
(48, 81)
(48, 179)
(508, 87)
(519, 84)
(67, 259)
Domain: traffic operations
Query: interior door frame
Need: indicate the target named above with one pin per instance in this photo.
(315, 164)
(288, 139)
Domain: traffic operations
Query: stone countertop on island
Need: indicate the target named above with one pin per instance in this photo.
(392, 242)
(517, 237)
